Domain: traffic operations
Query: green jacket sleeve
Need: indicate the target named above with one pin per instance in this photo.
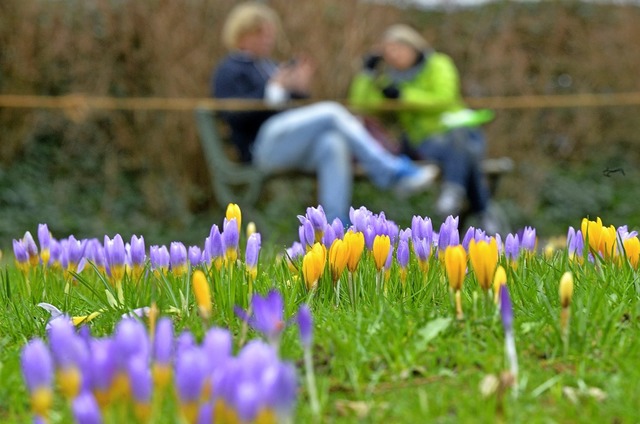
(436, 87)
(364, 92)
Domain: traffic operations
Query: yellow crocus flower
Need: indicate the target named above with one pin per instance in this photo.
(499, 279)
(355, 241)
(202, 293)
(632, 250)
(313, 265)
(592, 233)
(381, 247)
(455, 261)
(338, 258)
(484, 259)
(566, 289)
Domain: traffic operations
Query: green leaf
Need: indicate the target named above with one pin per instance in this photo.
(432, 330)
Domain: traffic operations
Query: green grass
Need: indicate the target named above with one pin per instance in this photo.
(399, 358)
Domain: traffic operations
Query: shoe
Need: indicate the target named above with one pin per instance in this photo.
(451, 200)
(417, 179)
(493, 220)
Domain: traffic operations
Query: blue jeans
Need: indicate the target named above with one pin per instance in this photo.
(459, 154)
(324, 138)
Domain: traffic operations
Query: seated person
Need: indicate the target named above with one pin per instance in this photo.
(323, 137)
(439, 128)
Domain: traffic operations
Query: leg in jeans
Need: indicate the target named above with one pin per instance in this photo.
(477, 189)
(459, 154)
(286, 140)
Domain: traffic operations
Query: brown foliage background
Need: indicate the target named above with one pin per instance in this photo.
(168, 48)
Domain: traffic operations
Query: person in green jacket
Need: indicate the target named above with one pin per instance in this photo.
(436, 124)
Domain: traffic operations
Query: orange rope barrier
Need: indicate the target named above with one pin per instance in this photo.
(79, 104)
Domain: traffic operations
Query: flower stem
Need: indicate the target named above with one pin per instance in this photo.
(311, 384)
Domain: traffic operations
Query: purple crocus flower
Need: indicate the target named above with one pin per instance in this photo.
(506, 309)
(318, 220)
(528, 240)
(140, 379)
(360, 218)
(70, 353)
(295, 251)
(159, 258)
(575, 243)
(178, 258)
(512, 247)
(94, 253)
(130, 339)
(338, 228)
(32, 248)
(115, 255)
(422, 228)
(195, 255)
(280, 384)
(56, 252)
(218, 347)
(306, 233)
(137, 253)
(402, 253)
(37, 365)
(422, 249)
(85, 409)
(448, 235)
(190, 374)
(253, 250)
(230, 239)
(248, 400)
(213, 248)
(44, 239)
(329, 236)
(506, 312)
(305, 325)
(254, 358)
(369, 235)
(267, 315)
(184, 342)
(21, 255)
(163, 341)
(468, 236)
(103, 364)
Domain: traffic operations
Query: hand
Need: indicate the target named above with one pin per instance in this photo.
(371, 61)
(391, 91)
(296, 76)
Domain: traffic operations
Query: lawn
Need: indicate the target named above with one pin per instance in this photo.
(389, 343)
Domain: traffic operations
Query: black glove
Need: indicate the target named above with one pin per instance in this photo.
(371, 61)
(391, 91)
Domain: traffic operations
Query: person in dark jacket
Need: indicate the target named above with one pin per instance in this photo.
(322, 137)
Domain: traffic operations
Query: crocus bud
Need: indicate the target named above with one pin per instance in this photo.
(338, 257)
(202, 293)
(305, 325)
(566, 289)
(233, 211)
(455, 261)
(381, 247)
(313, 265)
(355, 240)
(251, 228)
(499, 280)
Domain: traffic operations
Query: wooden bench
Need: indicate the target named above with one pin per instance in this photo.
(235, 182)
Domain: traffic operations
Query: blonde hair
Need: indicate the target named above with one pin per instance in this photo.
(246, 18)
(401, 33)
